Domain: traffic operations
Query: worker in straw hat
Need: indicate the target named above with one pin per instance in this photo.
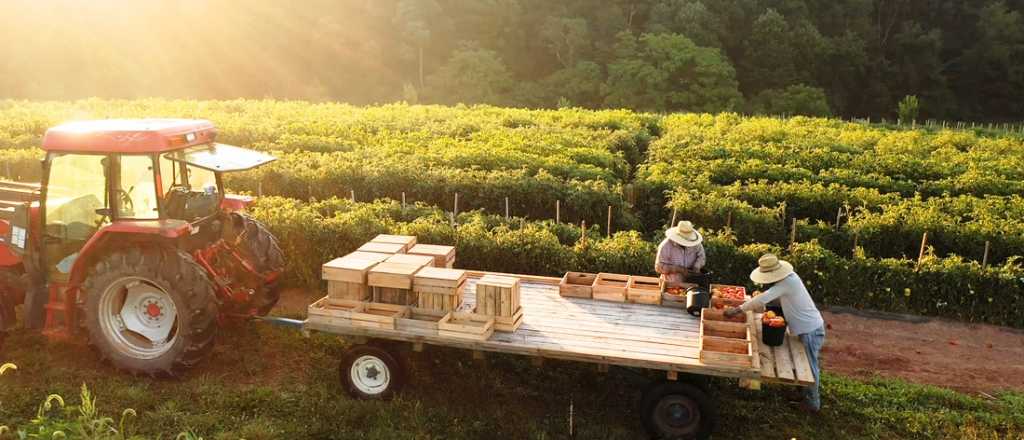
(680, 254)
(802, 317)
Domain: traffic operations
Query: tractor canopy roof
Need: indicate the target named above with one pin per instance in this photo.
(129, 135)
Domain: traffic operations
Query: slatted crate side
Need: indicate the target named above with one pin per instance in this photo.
(577, 285)
(724, 351)
(331, 312)
(389, 295)
(422, 321)
(349, 291)
(509, 323)
(719, 315)
(379, 315)
(470, 326)
(610, 287)
(439, 298)
(643, 290)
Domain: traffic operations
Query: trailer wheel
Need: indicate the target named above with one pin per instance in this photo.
(369, 372)
(676, 410)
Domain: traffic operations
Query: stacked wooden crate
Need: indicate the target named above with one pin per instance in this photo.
(498, 296)
(406, 241)
(346, 276)
(438, 288)
(392, 282)
(444, 256)
(728, 341)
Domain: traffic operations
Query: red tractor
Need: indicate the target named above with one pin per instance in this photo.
(131, 237)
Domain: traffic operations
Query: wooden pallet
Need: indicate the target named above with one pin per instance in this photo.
(610, 287)
(577, 285)
(444, 256)
(643, 290)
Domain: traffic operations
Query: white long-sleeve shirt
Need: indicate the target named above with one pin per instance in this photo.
(802, 316)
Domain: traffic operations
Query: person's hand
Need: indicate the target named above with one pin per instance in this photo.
(732, 311)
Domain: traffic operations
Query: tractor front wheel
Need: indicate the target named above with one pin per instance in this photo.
(150, 310)
(12, 293)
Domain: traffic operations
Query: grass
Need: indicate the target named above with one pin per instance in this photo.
(264, 382)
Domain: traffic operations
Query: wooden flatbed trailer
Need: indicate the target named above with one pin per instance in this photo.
(582, 330)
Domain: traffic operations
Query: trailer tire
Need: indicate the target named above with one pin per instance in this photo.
(676, 410)
(371, 373)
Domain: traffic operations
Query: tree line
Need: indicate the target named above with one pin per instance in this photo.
(853, 58)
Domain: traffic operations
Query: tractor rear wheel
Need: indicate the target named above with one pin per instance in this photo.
(263, 251)
(150, 310)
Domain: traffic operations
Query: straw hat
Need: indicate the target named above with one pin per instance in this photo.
(770, 269)
(684, 234)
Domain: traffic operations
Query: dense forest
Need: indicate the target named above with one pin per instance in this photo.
(963, 60)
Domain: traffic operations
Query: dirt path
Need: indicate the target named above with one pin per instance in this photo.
(966, 357)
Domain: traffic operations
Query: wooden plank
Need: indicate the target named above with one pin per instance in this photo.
(352, 270)
(419, 261)
(801, 363)
(783, 363)
(407, 241)
(766, 354)
(392, 275)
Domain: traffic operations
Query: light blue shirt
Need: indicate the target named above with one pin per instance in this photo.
(802, 316)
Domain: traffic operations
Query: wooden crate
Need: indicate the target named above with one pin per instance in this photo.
(727, 344)
(344, 290)
(710, 314)
(714, 287)
(643, 290)
(420, 321)
(375, 257)
(379, 315)
(469, 326)
(509, 323)
(389, 295)
(392, 275)
(497, 295)
(412, 260)
(439, 288)
(407, 241)
(444, 256)
(382, 248)
(719, 303)
(610, 287)
(336, 312)
(347, 269)
(577, 285)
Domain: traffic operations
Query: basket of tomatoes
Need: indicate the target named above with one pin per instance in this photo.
(773, 329)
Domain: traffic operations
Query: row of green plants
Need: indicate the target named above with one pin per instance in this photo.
(315, 232)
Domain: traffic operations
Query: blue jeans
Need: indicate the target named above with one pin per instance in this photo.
(813, 342)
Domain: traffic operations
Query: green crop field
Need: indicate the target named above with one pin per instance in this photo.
(860, 196)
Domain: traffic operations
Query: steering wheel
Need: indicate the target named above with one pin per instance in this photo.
(125, 201)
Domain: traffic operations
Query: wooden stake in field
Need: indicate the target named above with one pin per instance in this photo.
(609, 220)
(583, 232)
(403, 200)
(259, 185)
(924, 243)
(673, 223)
(728, 220)
(558, 211)
(839, 216)
(792, 234)
(456, 209)
(984, 258)
(506, 209)
(353, 192)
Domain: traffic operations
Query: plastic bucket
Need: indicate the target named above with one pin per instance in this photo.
(772, 336)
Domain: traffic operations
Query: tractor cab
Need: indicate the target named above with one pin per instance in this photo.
(131, 236)
(157, 177)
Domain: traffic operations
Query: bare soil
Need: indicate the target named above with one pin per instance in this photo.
(971, 358)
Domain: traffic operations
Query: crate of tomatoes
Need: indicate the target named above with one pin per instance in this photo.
(773, 329)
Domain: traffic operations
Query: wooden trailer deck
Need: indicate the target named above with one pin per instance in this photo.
(600, 332)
